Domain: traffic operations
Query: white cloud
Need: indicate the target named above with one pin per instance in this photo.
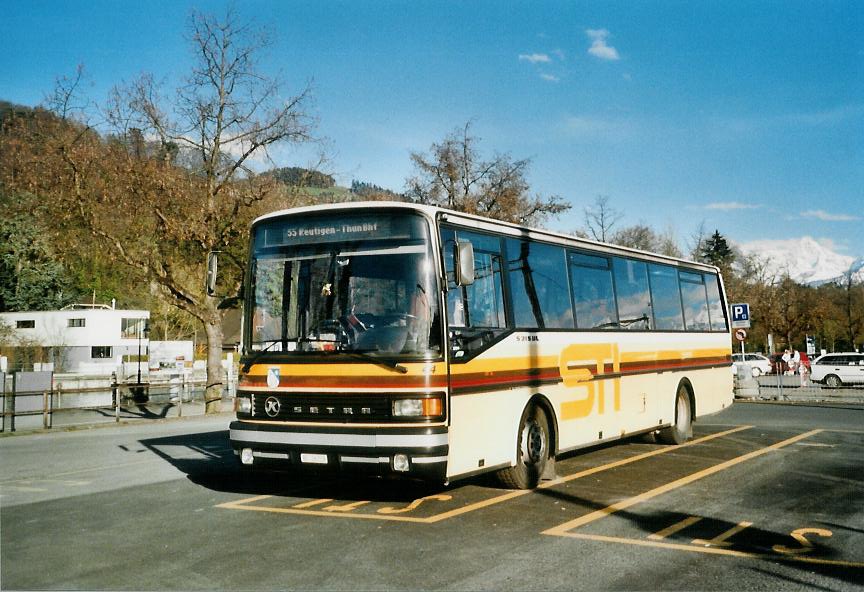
(535, 58)
(731, 205)
(550, 78)
(599, 48)
(828, 217)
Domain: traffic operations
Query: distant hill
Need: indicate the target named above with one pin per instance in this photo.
(300, 177)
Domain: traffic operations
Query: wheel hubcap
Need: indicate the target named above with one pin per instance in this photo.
(533, 443)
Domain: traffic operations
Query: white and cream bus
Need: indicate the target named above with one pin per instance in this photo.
(411, 340)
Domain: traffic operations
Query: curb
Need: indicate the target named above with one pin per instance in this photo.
(857, 404)
(83, 427)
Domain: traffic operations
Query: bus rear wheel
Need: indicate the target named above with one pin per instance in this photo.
(532, 451)
(682, 429)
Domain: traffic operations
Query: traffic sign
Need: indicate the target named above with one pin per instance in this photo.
(740, 315)
(740, 334)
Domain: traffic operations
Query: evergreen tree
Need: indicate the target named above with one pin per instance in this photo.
(30, 277)
(716, 251)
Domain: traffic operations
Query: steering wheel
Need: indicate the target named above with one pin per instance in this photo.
(331, 326)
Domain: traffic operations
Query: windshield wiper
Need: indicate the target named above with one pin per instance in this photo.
(367, 356)
(257, 355)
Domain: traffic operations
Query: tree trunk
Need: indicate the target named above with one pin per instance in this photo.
(215, 373)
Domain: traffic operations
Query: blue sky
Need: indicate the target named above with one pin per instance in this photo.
(748, 116)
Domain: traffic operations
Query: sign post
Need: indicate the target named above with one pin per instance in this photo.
(741, 336)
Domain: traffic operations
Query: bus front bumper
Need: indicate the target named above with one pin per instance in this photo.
(411, 452)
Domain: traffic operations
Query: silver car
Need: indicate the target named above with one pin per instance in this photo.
(757, 363)
(835, 370)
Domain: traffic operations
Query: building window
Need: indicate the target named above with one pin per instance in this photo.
(76, 323)
(100, 352)
(26, 324)
(133, 328)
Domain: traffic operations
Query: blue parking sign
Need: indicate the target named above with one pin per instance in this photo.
(740, 315)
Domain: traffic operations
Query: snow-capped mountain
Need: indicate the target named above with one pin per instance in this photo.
(805, 259)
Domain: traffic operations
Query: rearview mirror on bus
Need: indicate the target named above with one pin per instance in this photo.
(212, 264)
(464, 263)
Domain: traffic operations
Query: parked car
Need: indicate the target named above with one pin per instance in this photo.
(835, 370)
(778, 366)
(757, 363)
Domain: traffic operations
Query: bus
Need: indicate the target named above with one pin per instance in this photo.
(410, 340)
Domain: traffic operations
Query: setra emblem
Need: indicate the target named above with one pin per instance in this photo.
(272, 406)
(272, 377)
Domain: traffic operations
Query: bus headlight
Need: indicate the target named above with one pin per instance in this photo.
(425, 407)
(243, 405)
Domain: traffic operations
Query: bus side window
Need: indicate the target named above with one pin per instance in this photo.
(716, 310)
(475, 313)
(632, 293)
(593, 292)
(695, 300)
(665, 297)
(538, 285)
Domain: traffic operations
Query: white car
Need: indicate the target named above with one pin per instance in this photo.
(757, 363)
(838, 369)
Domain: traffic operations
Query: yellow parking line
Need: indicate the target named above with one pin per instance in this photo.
(664, 450)
(245, 504)
(710, 550)
(721, 539)
(662, 534)
(593, 470)
(241, 506)
(562, 529)
(315, 502)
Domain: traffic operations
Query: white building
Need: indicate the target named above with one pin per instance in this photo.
(85, 338)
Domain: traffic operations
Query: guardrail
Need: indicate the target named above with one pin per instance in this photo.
(794, 388)
(30, 400)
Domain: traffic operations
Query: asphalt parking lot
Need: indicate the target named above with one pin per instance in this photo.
(765, 496)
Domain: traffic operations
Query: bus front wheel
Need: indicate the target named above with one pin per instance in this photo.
(681, 430)
(532, 451)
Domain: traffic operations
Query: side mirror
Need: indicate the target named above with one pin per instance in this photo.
(464, 257)
(212, 265)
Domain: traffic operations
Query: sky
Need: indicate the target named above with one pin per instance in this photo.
(741, 116)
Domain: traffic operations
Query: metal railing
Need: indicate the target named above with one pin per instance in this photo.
(793, 388)
(30, 400)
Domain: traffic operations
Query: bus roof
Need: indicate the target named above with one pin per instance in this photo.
(492, 225)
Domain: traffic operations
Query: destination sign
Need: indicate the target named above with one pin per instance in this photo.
(330, 229)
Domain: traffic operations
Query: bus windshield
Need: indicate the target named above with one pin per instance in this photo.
(344, 283)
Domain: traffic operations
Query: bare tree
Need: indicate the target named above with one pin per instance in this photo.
(146, 212)
(453, 175)
(697, 240)
(645, 238)
(600, 218)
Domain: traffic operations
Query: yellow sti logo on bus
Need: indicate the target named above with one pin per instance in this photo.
(585, 366)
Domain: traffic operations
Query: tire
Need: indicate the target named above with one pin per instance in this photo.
(756, 372)
(833, 381)
(680, 431)
(532, 451)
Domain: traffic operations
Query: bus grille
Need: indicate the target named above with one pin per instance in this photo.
(322, 407)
